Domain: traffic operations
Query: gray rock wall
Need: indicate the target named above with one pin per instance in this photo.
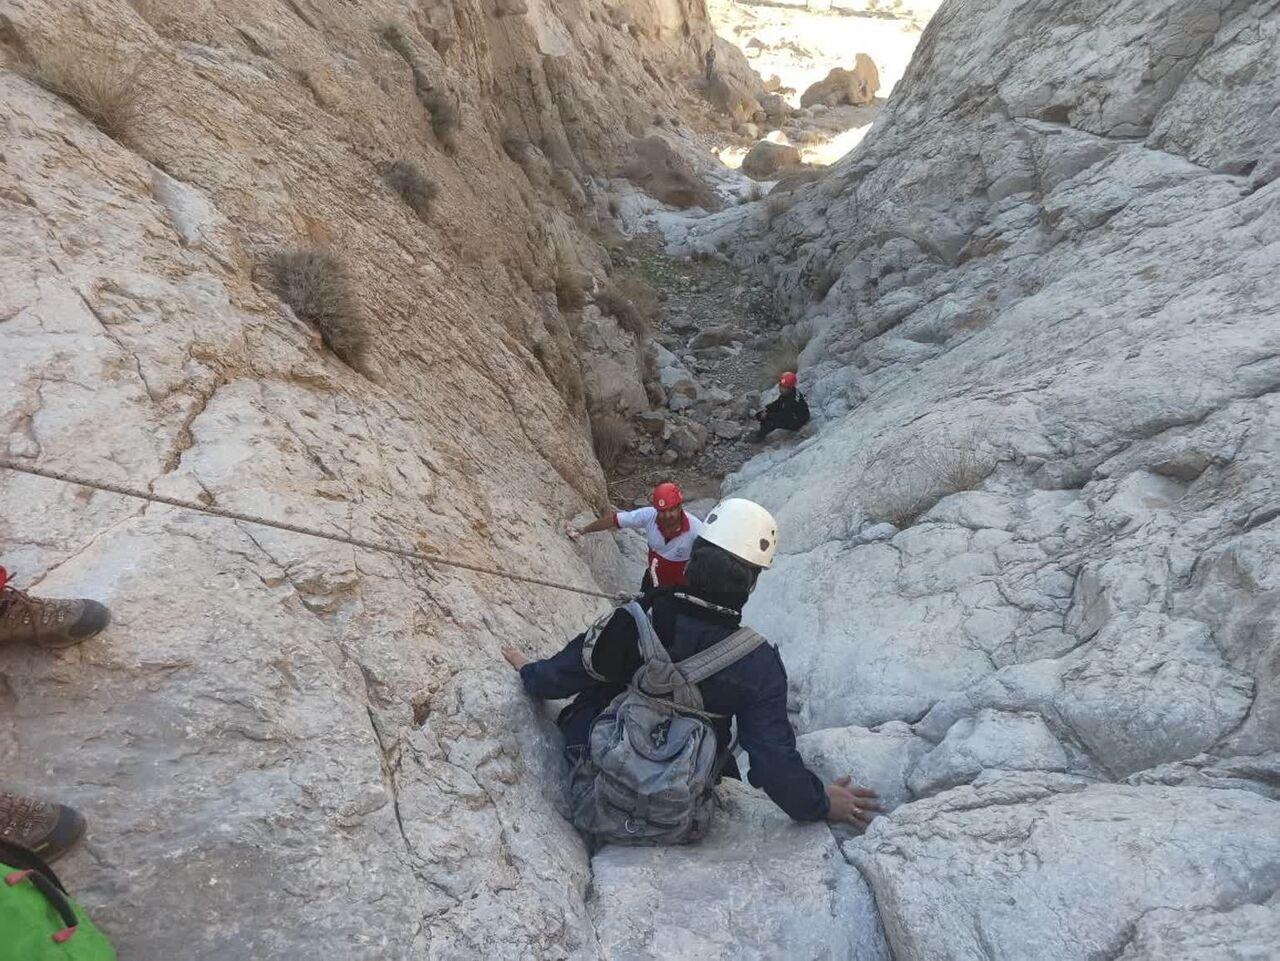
(1038, 519)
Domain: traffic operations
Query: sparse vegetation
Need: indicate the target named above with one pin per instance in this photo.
(446, 118)
(415, 188)
(776, 206)
(784, 353)
(633, 303)
(570, 296)
(396, 39)
(106, 86)
(825, 279)
(316, 285)
(961, 465)
(755, 192)
(611, 439)
(515, 147)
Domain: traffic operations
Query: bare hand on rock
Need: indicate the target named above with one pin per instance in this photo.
(851, 804)
(572, 531)
(514, 657)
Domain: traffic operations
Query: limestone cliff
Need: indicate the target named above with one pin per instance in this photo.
(285, 747)
(1028, 577)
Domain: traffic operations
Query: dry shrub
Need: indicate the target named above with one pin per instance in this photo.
(316, 285)
(938, 472)
(413, 185)
(784, 354)
(516, 147)
(755, 192)
(962, 467)
(776, 206)
(107, 87)
(633, 303)
(825, 279)
(396, 39)
(446, 118)
(611, 439)
(570, 296)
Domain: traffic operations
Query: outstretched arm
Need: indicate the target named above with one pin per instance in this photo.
(776, 766)
(605, 522)
(561, 675)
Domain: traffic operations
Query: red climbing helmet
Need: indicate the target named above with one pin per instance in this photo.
(787, 381)
(666, 495)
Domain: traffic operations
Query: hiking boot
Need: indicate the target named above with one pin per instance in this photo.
(45, 827)
(49, 623)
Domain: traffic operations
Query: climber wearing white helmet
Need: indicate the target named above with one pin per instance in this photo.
(737, 542)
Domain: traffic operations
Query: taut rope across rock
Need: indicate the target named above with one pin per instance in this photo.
(124, 491)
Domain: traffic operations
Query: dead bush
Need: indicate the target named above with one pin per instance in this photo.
(634, 304)
(775, 207)
(784, 354)
(825, 279)
(570, 296)
(316, 285)
(516, 147)
(415, 188)
(446, 117)
(611, 439)
(959, 467)
(938, 472)
(106, 86)
(755, 192)
(394, 35)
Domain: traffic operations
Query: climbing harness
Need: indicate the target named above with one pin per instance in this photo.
(300, 529)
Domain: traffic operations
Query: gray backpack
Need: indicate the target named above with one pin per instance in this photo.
(651, 761)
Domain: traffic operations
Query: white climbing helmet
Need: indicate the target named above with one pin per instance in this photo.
(744, 529)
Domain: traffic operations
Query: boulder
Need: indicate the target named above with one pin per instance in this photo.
(857, 86)
(688, 439)
(734, 100)
(776, 109)
(766, 158)
(715, 336)
(726, 430)
(880, 759)
(612, 371)
(652, 422)
(657, 169)
(678, 382)
(992, 739)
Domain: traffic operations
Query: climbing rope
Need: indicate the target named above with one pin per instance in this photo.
(298, 529)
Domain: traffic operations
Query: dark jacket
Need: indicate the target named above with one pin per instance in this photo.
(788, 412)
(754, 690)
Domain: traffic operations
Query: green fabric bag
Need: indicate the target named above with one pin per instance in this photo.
(38, 921)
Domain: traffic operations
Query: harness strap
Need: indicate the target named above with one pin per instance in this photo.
(719, 656)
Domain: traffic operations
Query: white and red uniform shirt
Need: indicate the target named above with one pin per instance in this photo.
(667, 558)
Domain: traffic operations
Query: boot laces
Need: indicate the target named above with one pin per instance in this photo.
(19, 605)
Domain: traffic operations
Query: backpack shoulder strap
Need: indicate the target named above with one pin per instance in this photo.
(720, 655)
(651, 648)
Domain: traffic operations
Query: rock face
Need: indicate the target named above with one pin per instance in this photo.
(983, 873)
(1030, 547)
(1037, 522)
(758, 887)
(287, 747)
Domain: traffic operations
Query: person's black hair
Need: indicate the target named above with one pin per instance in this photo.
(717, 576)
